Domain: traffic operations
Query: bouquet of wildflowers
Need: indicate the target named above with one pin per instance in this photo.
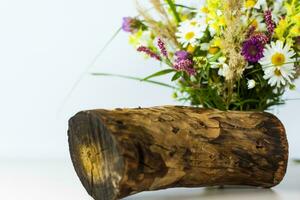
(224, 54)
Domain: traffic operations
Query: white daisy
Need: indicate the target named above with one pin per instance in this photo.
(190, 31)
(278, 64)
(257, 20)
(222, 66)
(278, 10)
(202, 12)
(258, 23)
(251, 84)
(261, 4)
(212, 31)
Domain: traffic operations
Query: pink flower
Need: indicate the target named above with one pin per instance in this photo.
(162, 48)
(185, 65)
(269, 21)
(149, 52)
(132, 25)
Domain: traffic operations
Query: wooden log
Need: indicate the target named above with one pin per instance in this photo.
(117, 153)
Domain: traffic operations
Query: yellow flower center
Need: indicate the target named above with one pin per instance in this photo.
(213, 50)
(205, 10)
(278, 59)
(193, 23)
(277, 72)
(191, 49)
(222, 21)
(250, 3)
(254, 23)
(189, 35)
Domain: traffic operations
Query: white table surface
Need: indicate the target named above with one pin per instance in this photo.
(56, 180)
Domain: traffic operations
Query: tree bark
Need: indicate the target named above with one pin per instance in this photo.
(117, 153)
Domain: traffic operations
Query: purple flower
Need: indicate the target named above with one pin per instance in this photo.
(182, 55)
(127, 24)
(132, 25)
(162, 48)
(185, 65)
(269, 21)
(253, 50)
(149, 52)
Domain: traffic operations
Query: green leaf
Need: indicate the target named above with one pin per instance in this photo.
(176, 76)
(293, 99)
(135, 78)
(173, 9)
(215, 57)
(160, 73)
(183, 6)
(247, 101)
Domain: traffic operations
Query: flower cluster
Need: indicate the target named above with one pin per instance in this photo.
(225, 54)
(184, 63)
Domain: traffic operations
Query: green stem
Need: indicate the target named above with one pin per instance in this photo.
(85, 72)
(174, 11)
(135, 78)
(272, 65)
(297, 161)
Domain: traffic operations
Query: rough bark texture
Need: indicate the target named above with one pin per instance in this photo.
(125, 151)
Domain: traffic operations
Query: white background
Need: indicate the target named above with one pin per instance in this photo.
(44, 47)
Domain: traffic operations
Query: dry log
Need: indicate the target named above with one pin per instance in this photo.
(125, 151)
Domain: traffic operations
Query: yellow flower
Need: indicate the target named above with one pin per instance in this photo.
(289, 41)
(281, 28)
(205, 10)
(215, 17)
(289, 27)
(191, 49)
(250, 3)
(295, 31)
(213, 50)
(134, 38)
(213, 5)
(216, 27)
(216, 42)
(296, 18)
(292, 7)
(222, 21)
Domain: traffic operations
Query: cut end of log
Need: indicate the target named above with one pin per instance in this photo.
(276, 127)
(95, 156)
